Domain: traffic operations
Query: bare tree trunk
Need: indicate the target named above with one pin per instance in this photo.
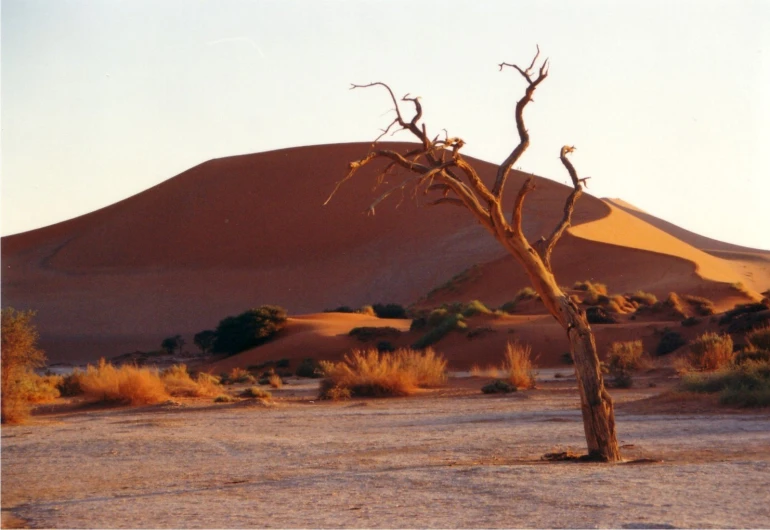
(438, 166)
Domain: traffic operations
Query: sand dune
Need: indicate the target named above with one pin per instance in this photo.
(242, 231)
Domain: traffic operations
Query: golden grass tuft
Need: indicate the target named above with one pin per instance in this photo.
(711, 352)
(127, 384)
(372, 373)
(178, 382)
(517, 365)
(275, 380)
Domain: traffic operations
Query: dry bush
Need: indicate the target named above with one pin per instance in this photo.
(517, 365)
(275, 380)
(372, 373)
(239, 375)
(624, 358)
(127, 384)
(20, 356)
(256, 392)
(178, 382)
(711, 351)
(702, 306)
(759, 338)
(644, 298)
(43, 388)
(676, 305)
(595, 292)
(224, 398)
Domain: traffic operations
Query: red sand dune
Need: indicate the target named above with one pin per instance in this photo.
(239, 232)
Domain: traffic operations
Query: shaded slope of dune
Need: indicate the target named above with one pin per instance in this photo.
(242, 231)
(238, 232)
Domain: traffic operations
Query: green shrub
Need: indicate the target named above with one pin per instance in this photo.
(475, 307)
(744, 385)
(670, 340)
(690, 321)
(389, 310)
(367, 333)
(711, 351)
(751, 353)
(308, 368)
(205, 340)
(450, 323)
(499, 386)
(249, 329)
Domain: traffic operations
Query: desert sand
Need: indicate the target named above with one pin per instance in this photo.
(243, 231)
(449, 458)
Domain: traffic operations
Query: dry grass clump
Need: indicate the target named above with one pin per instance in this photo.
(256, 392)
(372, 373)
(275, 381)
(178, 382)
(711, 352)
(644, 298)
(517, 365)
(623, 358)
(127, 384)
(702, 306)
(225, 398)
(595, 292)
(238, 375)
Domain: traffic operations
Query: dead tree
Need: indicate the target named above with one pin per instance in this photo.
(437, 166)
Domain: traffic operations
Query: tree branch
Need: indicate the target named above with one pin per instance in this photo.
(569, 207)
(505, 168)
(518, 206)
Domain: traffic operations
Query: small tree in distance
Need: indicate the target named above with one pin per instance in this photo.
(205, 340)
(172, 344)
(249, 329)
(437, 165)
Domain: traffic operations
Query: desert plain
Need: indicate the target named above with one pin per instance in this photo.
(243, 231)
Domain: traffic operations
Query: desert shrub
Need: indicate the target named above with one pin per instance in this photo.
(759, 338)
(702, 306)
(43, 388)
(249, 329)
(20, 356)
(744, 385)
(508, 307)
(670, 340)
(275, 381)
(178, 382)
(479, 332)
(69, 385)
(623, 358)
(752, 353)
(366, 310)
(340, 309)
(172, 344)
(475, 307)
(746, 317)
(598, 315)
(711, 352)
(385, 346)
(239, 375)
(499, 386)
(418, 324)
(675, 304)
(205, 340)
(525, 293)
(127, 384)
(596, 293)
(451, 322)
(643, 298)
(371, 373)
(367, 333)
(256, 392)
(690, 321)
(437, 316)
(389, 310)
(282, 363)
(517, 365)
(224, 398)
(308, 368)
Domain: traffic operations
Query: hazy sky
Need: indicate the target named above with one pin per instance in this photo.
(666, 101)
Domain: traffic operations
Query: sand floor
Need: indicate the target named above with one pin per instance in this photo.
(452, 458)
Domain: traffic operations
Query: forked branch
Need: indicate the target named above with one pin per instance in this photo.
(569, 206)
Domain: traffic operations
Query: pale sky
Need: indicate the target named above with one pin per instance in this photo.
(667, 101)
